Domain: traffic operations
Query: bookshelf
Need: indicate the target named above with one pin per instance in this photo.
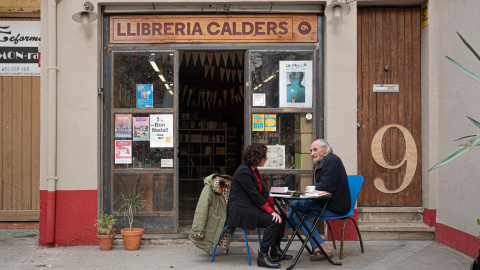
(201, 153)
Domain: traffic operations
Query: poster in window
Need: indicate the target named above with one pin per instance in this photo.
(141, 129)
(123, 152)
(257, 122)
(123, 125)
(161, 130)
(144, 95)
(296, 84)
(275, 157)
(270, 122)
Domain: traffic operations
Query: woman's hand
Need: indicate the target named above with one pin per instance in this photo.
(276, 217)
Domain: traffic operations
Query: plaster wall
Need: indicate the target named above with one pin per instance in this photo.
(340, 93)
(77, 99)
(457, 96)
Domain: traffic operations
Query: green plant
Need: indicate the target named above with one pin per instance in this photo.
(132, 205)
(105, 223)
(475, 139)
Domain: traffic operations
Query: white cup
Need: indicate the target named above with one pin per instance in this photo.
(310, 188)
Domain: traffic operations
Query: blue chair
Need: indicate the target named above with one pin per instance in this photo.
(246, 242)
(355, 183)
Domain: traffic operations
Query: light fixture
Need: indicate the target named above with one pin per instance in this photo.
(337, 10)
(151, 59)
(161, 77)
(86, 16)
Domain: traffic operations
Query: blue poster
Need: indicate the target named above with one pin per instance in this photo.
(144, 95)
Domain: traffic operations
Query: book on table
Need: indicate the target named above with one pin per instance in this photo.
(315, 193)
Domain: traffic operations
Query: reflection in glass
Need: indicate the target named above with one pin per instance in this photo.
(293, 131)
(132, 69)
(157, 190)
(265, 76)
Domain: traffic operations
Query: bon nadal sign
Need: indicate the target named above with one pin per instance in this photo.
(213, 28)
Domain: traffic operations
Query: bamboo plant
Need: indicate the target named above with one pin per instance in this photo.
(475, 138)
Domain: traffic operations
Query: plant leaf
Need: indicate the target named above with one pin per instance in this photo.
(475, 122)
(460, 151)
(464, 69)
(469, 47)
(468, 136)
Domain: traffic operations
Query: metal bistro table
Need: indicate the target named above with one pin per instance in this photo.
(288, 200)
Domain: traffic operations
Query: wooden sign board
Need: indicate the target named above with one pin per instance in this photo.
(213, 28)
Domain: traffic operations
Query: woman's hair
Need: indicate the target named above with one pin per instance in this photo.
(254, 154)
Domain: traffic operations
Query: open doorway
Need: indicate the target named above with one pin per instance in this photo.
(211, 122)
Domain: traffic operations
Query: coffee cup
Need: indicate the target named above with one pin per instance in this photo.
(310, 188)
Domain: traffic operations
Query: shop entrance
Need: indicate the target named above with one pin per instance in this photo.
(211, 122)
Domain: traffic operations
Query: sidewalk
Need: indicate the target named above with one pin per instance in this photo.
(19, 250)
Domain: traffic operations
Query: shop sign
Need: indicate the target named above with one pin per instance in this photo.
(292, 28)
(19, 48)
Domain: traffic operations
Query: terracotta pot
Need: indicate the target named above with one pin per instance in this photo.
(105, 241)
(132, 238)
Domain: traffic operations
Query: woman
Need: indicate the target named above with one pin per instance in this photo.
(249, 206)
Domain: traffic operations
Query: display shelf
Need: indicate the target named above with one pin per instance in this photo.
(201, 153)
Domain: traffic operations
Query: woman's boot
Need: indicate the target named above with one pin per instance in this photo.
(264, 261)
(276, 253)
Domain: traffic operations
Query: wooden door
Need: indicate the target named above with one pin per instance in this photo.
(19, 148)
(389, 134)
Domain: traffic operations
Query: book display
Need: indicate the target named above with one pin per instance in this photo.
(201, 153)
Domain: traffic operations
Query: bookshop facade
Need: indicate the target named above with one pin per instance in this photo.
(184, 95)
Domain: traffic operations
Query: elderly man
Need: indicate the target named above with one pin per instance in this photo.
(328, 175)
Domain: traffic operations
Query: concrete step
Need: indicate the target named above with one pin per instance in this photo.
(390, 214)
(396, 231)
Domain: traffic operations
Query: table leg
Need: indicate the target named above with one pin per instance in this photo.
(310, 233)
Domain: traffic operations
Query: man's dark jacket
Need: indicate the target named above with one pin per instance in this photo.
(330, 175)
(245, 198)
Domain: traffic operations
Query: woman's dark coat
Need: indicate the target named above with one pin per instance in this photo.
(245, 200)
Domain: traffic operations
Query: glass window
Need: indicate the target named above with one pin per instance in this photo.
(132, 70)
(266, 73)
(157, 190)
(292, 136)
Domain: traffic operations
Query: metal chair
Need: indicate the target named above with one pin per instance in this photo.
(355, 183)
(246, 242)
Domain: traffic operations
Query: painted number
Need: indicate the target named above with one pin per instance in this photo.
(410, 157)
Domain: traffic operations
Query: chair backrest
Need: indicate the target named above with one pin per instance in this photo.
(355, 183)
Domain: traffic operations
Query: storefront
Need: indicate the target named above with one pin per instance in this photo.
(183, 95)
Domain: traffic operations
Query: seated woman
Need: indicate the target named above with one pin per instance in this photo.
(249, 206)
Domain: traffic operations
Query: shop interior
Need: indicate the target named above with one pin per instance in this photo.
(211, 121)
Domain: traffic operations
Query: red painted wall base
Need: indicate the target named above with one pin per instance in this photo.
(76, 212)
(350, 233)
(430, 217)
(458, 240)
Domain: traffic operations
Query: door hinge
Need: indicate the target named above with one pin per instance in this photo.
(100, 91)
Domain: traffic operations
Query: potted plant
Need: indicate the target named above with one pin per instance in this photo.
(132, 205)
(105, 230)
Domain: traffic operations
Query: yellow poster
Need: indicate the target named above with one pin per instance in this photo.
(258, 122)
(424, 15)
(270, 122)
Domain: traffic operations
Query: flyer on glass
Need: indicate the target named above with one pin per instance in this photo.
(257, 122)
(123, 152)
(275, 157)
(296, 84)
(141, 129)
(161, 130)
(144, 95)
(270, 122)
(123, 125)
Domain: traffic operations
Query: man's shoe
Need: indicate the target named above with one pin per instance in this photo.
(264, 261)
(276, 253)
